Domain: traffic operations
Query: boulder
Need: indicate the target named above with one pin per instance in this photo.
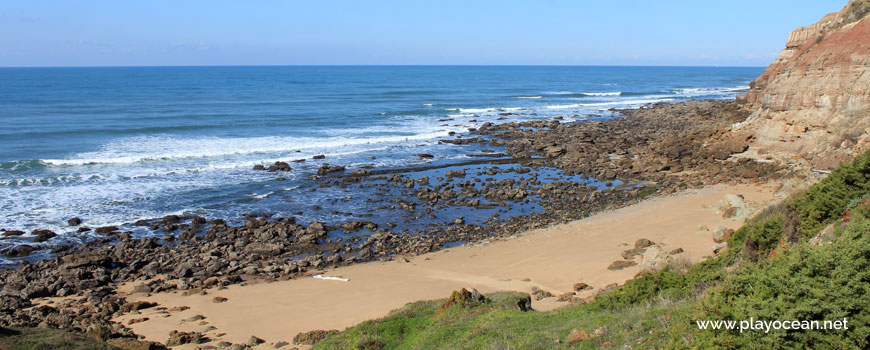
(106, 230)
(43, 235)
(254, 341)
(137, 305)
(580, 286)
(655, 259)
(554, 151)
(19, 251)
(642, 243)
(180, 338)
(733, 207)
(279, 166)
(260, 248)
(12, 233)
(74, 221)
(722, 234)
(524, 303)
(454, 173)
(326, 169)
(621, 264)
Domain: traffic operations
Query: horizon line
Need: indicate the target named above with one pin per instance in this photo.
(384, 65)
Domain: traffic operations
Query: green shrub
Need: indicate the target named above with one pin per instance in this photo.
(664, 283)
(762, 237)
(830, 282)
(825, 201)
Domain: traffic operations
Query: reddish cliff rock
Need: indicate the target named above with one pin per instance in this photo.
(812, 104)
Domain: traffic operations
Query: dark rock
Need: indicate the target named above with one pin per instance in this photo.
(74, 221)
(180, 338)
(525, 303)
(580, 286)
(19, 251)
(12, 233)
(621, 264)
(137, 305)
(326, 169)
(280, 166)
(540, 294)
(106, 230)
(455, 173)
(254, 341)
(43, 235)
(642, 243)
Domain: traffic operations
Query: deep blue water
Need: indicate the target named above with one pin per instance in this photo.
(113, 145)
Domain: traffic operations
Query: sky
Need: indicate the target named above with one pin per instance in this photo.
(400, 32)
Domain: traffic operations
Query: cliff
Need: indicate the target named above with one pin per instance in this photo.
(811, 106)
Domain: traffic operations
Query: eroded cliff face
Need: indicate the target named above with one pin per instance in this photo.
(812, 104)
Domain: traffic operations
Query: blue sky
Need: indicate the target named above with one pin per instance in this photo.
(263, 32)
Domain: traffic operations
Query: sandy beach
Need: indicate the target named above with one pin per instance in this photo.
(551, 259)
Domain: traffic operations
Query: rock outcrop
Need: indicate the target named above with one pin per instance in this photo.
(811, 105)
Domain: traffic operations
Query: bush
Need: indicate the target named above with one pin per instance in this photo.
(825, 201)
(805, 283)
(762, 237)
(663, 283)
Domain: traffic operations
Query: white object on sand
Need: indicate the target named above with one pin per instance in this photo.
(333, 278)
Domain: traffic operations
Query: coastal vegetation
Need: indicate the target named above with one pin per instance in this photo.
(807, 258)
(47, 338)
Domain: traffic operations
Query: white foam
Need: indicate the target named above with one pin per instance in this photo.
(262, 196)
(530, 97)
(628, 102)
(709, 90)
(575, 105)
(614, 93)
(488, 110)
(162, 148)
(612, 103)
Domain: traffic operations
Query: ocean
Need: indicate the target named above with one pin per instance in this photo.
(114, 145)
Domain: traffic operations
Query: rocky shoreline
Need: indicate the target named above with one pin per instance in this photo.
(552, 172)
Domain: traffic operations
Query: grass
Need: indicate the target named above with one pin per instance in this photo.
(497, 324)
(769, 272)
(46, 338)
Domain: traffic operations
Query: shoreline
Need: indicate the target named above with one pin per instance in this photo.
(550, 259)
(668, 147)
